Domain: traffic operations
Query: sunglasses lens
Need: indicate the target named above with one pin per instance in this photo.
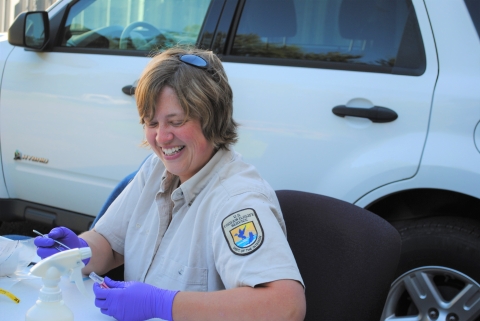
(194, 61)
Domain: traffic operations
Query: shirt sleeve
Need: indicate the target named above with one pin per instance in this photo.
(250, 245)
(113, 224)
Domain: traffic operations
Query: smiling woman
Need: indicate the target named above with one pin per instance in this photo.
(196, 218)
(198, 83)
(181, 131)
(177, 141)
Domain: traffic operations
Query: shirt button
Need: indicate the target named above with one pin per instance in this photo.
(180, 271)
(137, 225)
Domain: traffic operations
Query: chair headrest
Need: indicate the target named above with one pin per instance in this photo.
(361, 19)
(270, 18)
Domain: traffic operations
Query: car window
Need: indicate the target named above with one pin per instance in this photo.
(474, 9)
(133, 24)
(380, 34)
(48, 4)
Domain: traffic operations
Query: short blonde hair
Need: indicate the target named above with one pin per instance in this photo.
(204, 95)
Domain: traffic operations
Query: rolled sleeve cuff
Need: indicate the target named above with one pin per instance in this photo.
(117, 244)
(267, 276)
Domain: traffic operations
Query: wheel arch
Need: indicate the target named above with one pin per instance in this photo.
(425, 202)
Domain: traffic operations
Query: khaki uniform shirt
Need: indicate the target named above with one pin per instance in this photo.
(222, 228)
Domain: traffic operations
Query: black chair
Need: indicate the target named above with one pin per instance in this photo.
(347, 256)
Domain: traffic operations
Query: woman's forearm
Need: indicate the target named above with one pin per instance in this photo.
(278, 301)
(103, 257)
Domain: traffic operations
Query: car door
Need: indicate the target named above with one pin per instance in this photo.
(304, 71)
(73, 132)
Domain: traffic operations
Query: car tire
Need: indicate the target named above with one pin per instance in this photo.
(439, 266)
(453, 242)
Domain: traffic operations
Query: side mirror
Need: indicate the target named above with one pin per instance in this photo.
(30, 29)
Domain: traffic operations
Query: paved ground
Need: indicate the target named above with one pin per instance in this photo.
(22, 228)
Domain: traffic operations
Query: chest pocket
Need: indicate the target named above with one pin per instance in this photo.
(174, 275)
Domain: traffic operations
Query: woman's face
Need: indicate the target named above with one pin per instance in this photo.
(182, 147)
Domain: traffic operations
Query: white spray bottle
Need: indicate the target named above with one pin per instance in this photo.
(50, 305)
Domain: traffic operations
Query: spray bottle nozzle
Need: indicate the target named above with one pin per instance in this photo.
(66, 262)
(85, 252)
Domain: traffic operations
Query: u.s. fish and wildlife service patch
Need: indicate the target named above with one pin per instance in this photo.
(243, 231)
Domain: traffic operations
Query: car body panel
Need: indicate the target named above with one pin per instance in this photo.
(97, 135)
(5, 49)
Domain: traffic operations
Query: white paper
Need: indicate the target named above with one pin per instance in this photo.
(9, 251)
(15, 256)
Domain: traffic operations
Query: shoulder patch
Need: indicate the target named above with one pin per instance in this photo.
(243, 231)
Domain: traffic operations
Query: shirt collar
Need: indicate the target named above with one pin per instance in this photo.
(169, 182)
(192, 187)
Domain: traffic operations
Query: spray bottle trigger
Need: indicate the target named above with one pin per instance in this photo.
(76, 276)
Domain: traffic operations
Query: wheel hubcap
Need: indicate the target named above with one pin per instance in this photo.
(433, 293)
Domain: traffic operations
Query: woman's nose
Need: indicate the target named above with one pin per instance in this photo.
(163, 135)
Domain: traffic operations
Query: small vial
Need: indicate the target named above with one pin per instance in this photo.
(99, 280)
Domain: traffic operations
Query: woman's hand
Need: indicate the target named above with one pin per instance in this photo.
(134, 301)
(46, 246)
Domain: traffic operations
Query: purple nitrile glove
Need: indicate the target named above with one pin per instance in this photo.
(47, 247)
(134, 301)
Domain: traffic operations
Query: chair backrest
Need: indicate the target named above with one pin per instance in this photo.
(347, 256)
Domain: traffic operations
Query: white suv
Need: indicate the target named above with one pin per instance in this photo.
(375, 102)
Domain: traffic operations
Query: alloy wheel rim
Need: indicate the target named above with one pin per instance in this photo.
(433, 293)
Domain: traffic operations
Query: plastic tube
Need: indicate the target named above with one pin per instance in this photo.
(98, 279)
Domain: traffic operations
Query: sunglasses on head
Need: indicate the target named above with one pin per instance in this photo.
(194, 60)
(198, 62)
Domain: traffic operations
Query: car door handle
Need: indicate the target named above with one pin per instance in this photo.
(129, 90)
(376, 114)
